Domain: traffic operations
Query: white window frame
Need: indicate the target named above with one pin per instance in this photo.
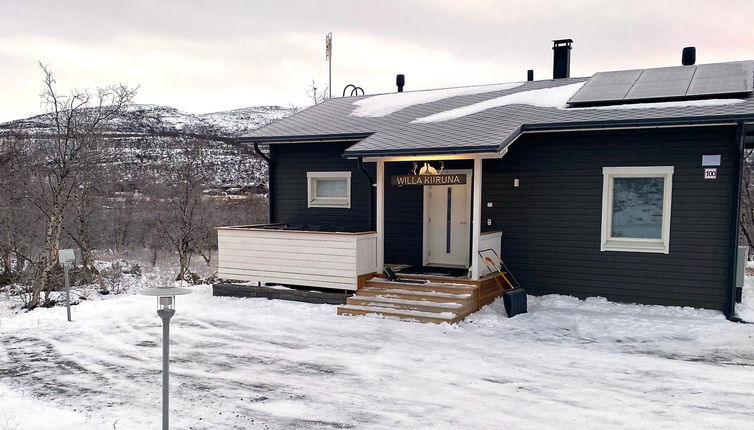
(628, 244)
(327, 202)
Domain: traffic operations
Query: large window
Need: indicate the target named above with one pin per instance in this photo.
(329, 189)
(636, 208)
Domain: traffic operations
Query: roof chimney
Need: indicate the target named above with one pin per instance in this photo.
(561, 61)
(688, 58)
(400, 81)
(530, 75)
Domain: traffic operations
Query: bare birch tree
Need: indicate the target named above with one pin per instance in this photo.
(77, 121)
(315, 94)
(19, 221)
(184, 222)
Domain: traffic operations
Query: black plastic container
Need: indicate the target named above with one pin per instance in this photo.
(514, 301)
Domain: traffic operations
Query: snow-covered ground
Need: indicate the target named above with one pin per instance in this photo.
(253, 363)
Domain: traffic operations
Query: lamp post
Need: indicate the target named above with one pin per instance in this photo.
(166, 310)
(66, 257)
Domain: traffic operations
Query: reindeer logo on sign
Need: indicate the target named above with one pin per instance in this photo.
(427, 169)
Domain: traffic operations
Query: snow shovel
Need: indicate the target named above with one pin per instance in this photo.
(514, 299)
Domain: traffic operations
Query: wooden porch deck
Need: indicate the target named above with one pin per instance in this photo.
(441, 299)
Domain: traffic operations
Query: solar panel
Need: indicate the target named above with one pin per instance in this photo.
(723, 78)
(670, 83)
(606, 86)
(662, 82)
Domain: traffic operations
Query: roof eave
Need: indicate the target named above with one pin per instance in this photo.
(420, 152)
(460, 150)
(630, 123)
(303, 138)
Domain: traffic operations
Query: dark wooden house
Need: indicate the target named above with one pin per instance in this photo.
(624, 185)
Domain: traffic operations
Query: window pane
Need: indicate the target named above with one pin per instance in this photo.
(637, 207)
(332, 188)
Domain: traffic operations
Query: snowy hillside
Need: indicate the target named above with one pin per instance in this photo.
(154, 119)
(144, 140)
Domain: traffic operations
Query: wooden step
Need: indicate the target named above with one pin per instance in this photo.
(409, 315)
(438, 300)
(434, 302)
(415, 295)
(413, 305)
(441, 279)
(429, 286)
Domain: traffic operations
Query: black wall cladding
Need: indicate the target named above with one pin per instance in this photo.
(292, 161)
(551, 223)
(403, 205)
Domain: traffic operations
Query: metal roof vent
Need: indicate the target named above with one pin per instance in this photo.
(688, 58)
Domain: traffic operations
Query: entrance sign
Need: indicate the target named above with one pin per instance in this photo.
(423, 180)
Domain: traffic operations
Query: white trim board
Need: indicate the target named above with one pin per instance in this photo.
(313, 201)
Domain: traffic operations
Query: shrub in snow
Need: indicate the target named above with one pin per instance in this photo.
(118, 278)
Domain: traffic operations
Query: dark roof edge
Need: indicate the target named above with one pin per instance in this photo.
(649, 122)
(437, 151)
(303, 138)
(419, 152)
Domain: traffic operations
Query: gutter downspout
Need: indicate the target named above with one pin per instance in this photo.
(735, 224)
(270, 181)
(360, 164)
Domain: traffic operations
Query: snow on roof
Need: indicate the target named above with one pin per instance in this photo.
(554, 97)
(385, 104)
(454, 120)
(557, 97)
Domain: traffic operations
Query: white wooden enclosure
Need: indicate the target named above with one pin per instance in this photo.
(295, 257)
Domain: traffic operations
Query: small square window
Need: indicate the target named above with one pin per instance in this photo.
(636, 208)
(329, 189)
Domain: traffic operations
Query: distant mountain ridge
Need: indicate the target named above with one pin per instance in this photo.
(143, 143)
(156, 119)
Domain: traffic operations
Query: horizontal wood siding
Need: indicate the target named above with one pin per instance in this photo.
(403, 205)
(292, 161)
(404, 222)
(327, 260)
(551, 222)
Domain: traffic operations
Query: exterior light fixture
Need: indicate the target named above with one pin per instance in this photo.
(427, 168)
(166, 310)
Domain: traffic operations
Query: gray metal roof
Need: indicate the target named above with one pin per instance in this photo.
(485, 131)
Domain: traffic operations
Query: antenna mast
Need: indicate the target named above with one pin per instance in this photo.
(328, 57)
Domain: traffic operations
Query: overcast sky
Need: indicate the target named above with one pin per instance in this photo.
(205, 56)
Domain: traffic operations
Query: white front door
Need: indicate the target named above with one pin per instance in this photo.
(447, 212)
